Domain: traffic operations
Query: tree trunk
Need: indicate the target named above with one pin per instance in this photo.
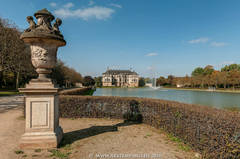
(17, 81)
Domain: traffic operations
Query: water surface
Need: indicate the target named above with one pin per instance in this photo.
(214, 99)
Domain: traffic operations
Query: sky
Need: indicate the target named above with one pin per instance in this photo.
(153, 37)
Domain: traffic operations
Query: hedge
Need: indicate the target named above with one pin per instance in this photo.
(77, 91)
(215, 133)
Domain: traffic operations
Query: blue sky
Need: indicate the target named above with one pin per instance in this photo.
(158, 37)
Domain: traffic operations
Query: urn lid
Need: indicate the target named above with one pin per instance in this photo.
(44, 12)
(43, 30)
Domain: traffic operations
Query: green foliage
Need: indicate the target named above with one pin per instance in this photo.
(37, 150)
(233, 109)
(180, 143)
(65, 76)
(147, 80)
(133, 115)
(88, 81)
(98, 81)
(206, 77)
(232, 67)
(198, 71)
(19, 152)
(141, 82)
(15, 65)
(78, 91)
(208, 70)
(9, 93)
(59, 154)
(161, 81)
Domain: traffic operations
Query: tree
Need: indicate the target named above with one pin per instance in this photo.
(88, 81)
(208, 70)
(98, 81)
(171, 80)
(147, 80)
(231, 67)
(161, 81)
(14, 57)
(141, 82)
(198, 71)
(65, 76)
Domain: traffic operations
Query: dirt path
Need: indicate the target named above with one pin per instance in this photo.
(92, 138)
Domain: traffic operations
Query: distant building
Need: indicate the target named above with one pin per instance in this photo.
(120, 78)
(148, 84)
(78, 84)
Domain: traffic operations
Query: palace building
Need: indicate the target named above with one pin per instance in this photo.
(120, 78)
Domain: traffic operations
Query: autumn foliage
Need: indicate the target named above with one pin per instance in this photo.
(227, 77)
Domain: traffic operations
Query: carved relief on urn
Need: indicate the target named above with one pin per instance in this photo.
(44, 40)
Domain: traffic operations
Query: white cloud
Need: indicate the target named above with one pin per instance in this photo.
(218, 44)
(53, 4)
(152, 54)
(91, 2)
(199, 40)
(97, 12)
(115, 5)
(68, 5)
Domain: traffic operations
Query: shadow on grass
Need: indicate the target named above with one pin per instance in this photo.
(70, 137)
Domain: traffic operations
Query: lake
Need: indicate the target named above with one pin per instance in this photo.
(213, 99)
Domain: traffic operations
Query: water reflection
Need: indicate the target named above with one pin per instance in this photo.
(215, 99)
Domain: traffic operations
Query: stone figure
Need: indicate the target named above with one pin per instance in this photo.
(56, 25)
(44, 24)
(32, 24)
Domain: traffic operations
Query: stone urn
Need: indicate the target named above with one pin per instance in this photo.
(44, 40)
(42, 128)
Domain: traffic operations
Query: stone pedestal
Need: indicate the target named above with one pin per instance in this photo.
(42, 116)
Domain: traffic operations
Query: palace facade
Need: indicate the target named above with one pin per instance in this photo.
(120, 78)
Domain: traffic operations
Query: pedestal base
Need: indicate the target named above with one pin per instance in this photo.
(42, 116)
(41, 140)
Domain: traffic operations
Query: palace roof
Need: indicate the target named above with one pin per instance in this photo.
(115, 72)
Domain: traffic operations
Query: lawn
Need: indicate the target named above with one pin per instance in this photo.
(8, 93)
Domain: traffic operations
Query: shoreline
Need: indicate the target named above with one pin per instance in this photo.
(190, 89)
(203, 90)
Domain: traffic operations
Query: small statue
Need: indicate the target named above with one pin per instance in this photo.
(56, 26)
(32, 24)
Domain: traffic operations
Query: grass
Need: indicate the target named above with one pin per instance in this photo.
(147, 135)
(21, 117)
(8, 93)
(221, 90)
(89, 92)
(38, 150)
(181, 145)
(232, 109)
(59, 154)
(19, 152)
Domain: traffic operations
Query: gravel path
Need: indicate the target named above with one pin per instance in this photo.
(10, 102)
(90, 139)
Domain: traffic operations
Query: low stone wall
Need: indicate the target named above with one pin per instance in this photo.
(213, 132)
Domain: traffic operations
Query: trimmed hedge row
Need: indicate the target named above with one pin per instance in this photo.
(213, 132)
(76, 91)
